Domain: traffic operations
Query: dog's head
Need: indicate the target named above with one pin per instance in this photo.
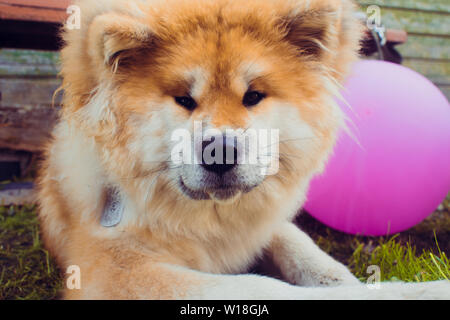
(213, 98)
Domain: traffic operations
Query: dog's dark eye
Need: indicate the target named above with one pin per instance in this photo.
(186, 102)
(252, 98)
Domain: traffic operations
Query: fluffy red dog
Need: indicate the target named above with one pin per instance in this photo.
(141, 225)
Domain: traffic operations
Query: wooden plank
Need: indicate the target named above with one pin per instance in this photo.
(29, 93)
(28, 71)
(427, 5)
(28, 57)
(416, 22)
(26, 129)
(28, 63)
(55, 4)
(435, 70)
(427, 47)
(11, 12)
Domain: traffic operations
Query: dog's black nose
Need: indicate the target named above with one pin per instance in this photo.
(220, 154)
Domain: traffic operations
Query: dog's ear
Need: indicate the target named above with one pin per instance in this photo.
(310, 31)
(324, 30)
(114, 37)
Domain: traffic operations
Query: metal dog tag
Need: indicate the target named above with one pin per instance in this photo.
(113, 210)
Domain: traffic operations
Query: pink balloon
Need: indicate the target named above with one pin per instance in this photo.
(400, 172)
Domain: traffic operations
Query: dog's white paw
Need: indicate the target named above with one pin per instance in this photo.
(336, 275)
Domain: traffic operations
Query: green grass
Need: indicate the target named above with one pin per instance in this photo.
(26, 269)
(399, 261)
(28, 272)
